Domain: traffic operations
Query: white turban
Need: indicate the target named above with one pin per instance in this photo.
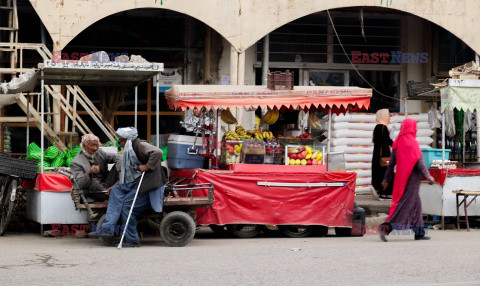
(130, 161)
(129, 133)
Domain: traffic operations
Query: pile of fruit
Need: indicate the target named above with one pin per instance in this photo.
(304, 156)
(232, 155)
(240, 133)
(305, 136)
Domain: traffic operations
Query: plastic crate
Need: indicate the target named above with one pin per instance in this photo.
(25, 169)
(280, 80)
(430, 155)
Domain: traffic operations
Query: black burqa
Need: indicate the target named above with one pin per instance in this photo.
(381, 148)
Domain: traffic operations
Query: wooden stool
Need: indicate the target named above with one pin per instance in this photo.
(465, 203)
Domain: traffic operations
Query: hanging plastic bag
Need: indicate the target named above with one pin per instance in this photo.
(59, 161)
(34, 151)
(51, 153)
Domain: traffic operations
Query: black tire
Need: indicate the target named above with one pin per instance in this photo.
(218, 229)
(343, 231)
(270, 229)
(177, 228)
(7, 206)
(320, 230)
(295, 230)
(109, 241)
(244, 230)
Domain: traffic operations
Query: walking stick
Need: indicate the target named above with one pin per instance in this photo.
(130, 213)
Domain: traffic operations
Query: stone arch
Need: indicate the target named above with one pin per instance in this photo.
(244, 22)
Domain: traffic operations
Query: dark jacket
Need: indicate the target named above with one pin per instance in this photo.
(80, 167)
(151, 156)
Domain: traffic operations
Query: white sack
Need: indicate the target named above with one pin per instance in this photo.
(364, 181)
(362, 173)
(358, 157)
(352, 133)
(420, 133)
(355, 166)
(350, 141)
(353, 150)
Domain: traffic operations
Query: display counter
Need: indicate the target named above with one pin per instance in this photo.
(438, 199)
(49, 200)
(276, 195)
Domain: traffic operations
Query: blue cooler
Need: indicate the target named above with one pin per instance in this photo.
(181, 154)
(430, 155)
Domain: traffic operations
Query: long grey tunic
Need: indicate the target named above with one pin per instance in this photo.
(80, 166)
(409, 209)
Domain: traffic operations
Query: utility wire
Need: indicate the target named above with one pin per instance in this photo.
(355, 68)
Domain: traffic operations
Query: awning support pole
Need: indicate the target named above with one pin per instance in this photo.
(463, 146)
(329, 135)
(136, 105)
(157, 101)
(28, 121)
(478, 133)
(42, 127)
(443, 140)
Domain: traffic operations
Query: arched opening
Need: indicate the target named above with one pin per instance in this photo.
(387, 47)
(157, 35)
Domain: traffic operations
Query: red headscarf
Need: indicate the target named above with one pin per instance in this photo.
(408, 153)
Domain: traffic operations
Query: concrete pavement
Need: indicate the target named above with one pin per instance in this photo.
(451, 257)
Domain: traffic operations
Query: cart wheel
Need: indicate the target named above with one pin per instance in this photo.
(177, 228)
(320, 230)
(244, 230)
(295, 230)
(109, 241)
(8, 190)
(343, 231)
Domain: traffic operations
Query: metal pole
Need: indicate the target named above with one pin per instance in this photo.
(158, 114)
(443, 140)
(42, 128)
(329, 135)
(463, 146)
(478, 134)
(265, 59)
(136, 106)
(406, 107)
(28, 120)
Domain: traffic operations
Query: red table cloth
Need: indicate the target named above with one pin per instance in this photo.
(238, 198)
(49, 182)
(441, 174)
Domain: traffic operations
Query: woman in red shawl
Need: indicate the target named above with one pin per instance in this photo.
(406, 208)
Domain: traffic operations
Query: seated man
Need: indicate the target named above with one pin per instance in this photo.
(138, 156)
(90, 166)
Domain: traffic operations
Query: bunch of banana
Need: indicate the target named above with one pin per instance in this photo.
(258, 136)
(313, 120)
(268, 135)
(231, 135)
(227, 117)
(241, 131)
(271, 116)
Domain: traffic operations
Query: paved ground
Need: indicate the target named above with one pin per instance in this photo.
(451, 257)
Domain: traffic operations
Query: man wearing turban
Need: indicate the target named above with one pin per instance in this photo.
(138, 156)
(90, 167)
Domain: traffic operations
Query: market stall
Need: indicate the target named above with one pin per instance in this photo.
(265, 180)
(438, 199)
(48, 199)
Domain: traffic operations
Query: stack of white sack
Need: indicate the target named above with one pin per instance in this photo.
(352, 134)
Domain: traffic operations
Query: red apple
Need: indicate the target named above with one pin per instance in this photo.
(304, 154)
(230, 150)
(309, 162)
(290, 154)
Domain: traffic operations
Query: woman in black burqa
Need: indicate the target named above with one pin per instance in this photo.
(381, 148)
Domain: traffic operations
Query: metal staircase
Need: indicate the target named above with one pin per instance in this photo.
(56, 101)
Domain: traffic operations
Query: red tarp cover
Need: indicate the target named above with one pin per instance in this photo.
(50, 182)
(238, 199)
(441, 174)
(180, 97)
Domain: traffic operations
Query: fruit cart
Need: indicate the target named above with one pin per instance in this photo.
(251, 195)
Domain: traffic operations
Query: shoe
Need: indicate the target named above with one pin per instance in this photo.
(131, 244)
(422, 237)
(374, 193)
(101, 232)
(382, 233)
